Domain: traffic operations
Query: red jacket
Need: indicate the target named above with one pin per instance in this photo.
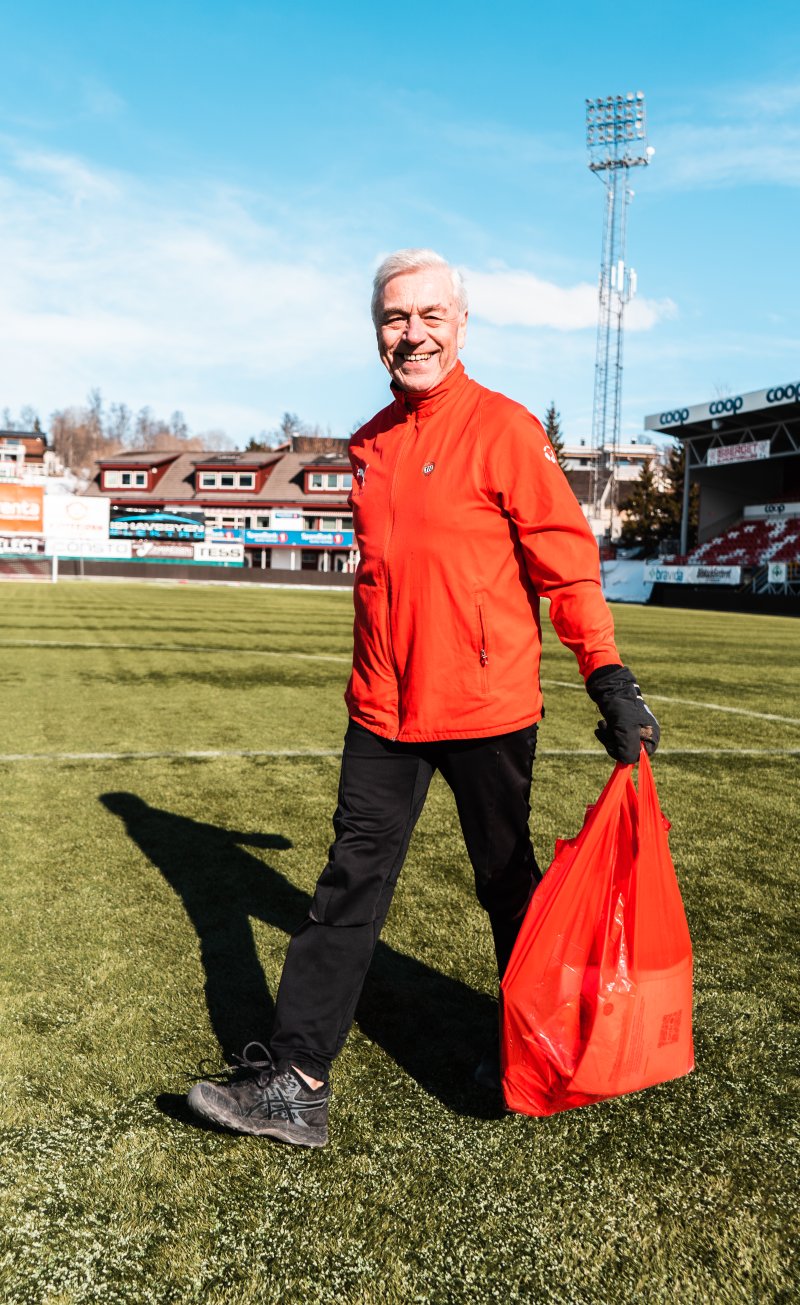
(463, 520)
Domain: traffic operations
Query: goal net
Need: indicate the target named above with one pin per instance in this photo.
(28, 568)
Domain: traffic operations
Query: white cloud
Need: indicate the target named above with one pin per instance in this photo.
(72, 176)
(508, 297)
(159, 298)
(750, 135)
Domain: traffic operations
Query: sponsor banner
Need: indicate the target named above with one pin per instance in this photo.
(753, 401)
(692, 575)
(773, 510)
(21, 508)
(226, 535)
(156, 523)
(726, 453)
(113, 549)
(778, 573)
(151, 549)
(220, 554)
(300, 538)
(72, 516)
(20, 544)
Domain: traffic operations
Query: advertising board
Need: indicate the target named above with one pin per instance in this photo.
(118, 550)
(727, 453)
(21, 508)
(73, 516)
(772, 510)
(156, 523)
(220, 554)
(692, 575)
(169, 549)
(299, 538)
(20, 544)
(727, 406)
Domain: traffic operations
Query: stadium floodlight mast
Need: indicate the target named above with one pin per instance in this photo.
(616, 137)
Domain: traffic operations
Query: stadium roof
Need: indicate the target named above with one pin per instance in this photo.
(780, 401)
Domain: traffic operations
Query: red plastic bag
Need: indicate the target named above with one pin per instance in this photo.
(597, 997)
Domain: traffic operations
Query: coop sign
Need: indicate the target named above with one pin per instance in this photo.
(728, 407)
(773, 510)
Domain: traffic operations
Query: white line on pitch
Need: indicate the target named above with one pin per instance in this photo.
(175, 647)
(218, 754)
(210, 754)
(340, 658)
(690, 702)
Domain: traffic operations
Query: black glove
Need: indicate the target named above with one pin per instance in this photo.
(627, 720)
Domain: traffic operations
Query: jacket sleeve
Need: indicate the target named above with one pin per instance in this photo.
(559, 549)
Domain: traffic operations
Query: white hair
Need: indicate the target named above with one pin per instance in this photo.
(414, 260)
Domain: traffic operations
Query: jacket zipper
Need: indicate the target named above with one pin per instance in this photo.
(386, 575)
(484, 648)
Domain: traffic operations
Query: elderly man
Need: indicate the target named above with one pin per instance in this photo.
(464, 521)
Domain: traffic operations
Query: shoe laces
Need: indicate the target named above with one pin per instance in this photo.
(263, 1069)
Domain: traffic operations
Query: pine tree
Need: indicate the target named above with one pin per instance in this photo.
(644, 521)
(552, 429)
(672, 497)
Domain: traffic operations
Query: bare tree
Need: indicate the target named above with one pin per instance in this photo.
(118, 424)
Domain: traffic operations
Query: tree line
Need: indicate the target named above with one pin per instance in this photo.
(83, 433)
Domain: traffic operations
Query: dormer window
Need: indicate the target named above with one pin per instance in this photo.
(330, 480)
(226, 480)
(116, 479)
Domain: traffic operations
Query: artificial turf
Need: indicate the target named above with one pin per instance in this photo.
(147, 905)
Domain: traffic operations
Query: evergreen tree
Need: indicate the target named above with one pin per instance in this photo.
(644, 521)
(552, 429)
(672, 497)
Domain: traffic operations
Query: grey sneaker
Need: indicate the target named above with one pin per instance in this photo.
(266, 1100)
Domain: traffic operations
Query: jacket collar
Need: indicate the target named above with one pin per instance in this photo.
(426, 403)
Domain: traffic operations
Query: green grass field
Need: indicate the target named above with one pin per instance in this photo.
(148, 892)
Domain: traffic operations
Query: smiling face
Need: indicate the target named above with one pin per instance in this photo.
(420, 328)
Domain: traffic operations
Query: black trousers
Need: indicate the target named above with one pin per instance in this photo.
(382, 790)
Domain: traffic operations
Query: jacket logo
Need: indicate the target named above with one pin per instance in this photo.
(361, 476)
(428, 468)
(549, 454)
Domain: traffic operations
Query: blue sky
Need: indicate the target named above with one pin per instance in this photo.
(193, 198)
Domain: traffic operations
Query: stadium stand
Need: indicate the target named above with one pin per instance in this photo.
(742, 456)
(751, 544)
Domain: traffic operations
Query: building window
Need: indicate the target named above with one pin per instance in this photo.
(125, 480)
(330, 480)
(309, 559)
(227, 480)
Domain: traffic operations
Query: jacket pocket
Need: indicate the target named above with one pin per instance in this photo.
(482, 635)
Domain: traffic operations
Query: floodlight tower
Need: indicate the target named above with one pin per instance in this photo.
(616, 137)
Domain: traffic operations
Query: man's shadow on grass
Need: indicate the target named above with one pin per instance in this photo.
(432, 1025)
